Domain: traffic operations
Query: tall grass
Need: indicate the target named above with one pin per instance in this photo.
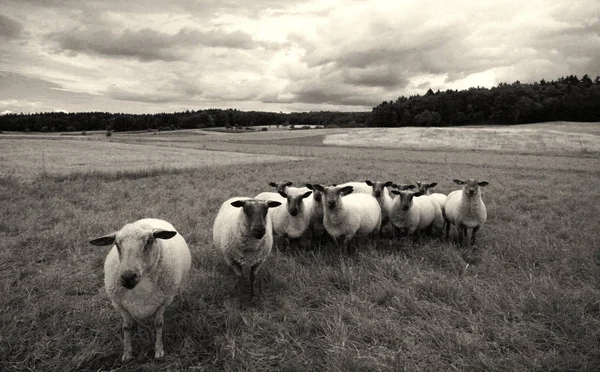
(525, 299)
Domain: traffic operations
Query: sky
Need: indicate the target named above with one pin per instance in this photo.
(280, 56)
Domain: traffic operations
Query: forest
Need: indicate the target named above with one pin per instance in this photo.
(566, 99)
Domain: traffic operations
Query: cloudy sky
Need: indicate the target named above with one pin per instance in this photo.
(165, 56)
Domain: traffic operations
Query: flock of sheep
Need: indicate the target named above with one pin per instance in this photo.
(150, 261)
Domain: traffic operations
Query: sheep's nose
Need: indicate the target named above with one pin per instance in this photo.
(405, 207)
(294, 212)
(258, 232)
(331, 204)
(129, 279)
(378, 194)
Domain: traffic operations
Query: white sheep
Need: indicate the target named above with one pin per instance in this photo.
(412, 212)
(465, 209)
(147, 266)
(244, 233)
(381, 193)
(347, 215)
(292, 220)
(439, 198)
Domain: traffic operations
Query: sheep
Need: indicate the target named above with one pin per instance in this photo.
(147, 266)
(281, 185)
(440, 198)
(346, 215)
(317, 229)
(465, 209)
(413, 212)
(243, 231)
(382, 195)
(293, 219)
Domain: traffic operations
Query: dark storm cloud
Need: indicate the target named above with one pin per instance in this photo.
(9, 28)
(148, 44)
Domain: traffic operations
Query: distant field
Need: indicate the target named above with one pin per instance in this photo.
(536, 139)
(526, 298)
(27, 158)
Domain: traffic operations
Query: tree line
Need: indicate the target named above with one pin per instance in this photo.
(567, 98)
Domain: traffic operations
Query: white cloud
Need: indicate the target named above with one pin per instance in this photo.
(147, 56)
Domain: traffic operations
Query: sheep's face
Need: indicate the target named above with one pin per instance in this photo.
(406, 198)
(137, 250)
(332, 195)
(317, 195)
(281, 185)
(471, 186)
(294, 201)
(378, 187)
(255, 213)
(425, 187)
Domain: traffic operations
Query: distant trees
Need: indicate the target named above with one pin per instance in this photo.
(567, 98)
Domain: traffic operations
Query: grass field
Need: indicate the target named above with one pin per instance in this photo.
(526, 298)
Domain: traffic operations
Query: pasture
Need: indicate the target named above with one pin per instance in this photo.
(525, 298)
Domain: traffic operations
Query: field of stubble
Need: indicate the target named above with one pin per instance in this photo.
(526, 298)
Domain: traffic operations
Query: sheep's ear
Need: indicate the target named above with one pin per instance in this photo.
(238, 203)
(104, 240)
(289, 183)
(306, 194)
(318, 187)
(163, 234)
(409, 187)
(394, 185)
(272, 184)
(483, 183)
(458, 182)
(346, 190)
(273, 203)
(388, 184)
(369, 183)
(309, 186)
(283, 194)
(397, 192)
(433, 184)
(418, 193)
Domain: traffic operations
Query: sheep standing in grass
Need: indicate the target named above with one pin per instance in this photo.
(465, 209)
(440, 198)
(382, 195)
(347, 215)
(146, 267)
(412, 212)
(244, 233)
(292, 220)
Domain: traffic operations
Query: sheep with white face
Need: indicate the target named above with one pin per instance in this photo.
(146, 267)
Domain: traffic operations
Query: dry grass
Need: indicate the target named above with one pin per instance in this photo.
(30, 158)
(521, 139)
(526, 299)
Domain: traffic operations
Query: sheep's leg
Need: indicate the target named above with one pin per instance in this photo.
(461, 234)
(253, 272)
(475, 229)
(127, 327)
(447, 230)
(159, 350)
